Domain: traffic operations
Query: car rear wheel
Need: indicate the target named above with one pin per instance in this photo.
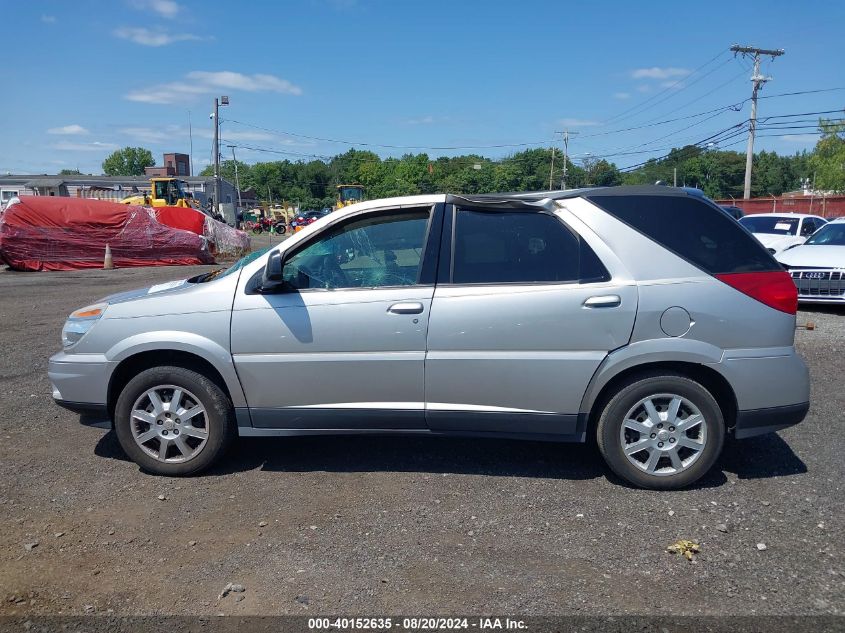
(661, 431)
(173, 421)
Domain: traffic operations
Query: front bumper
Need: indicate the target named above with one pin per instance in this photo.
(760, 421)
(80, 381)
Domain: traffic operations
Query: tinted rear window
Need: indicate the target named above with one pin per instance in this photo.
(520, 247)
(692, 229)
(770, 224)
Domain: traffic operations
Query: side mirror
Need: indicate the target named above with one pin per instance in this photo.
(273, 271)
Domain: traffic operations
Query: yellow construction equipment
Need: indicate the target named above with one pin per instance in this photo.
(164, 192)
(348, 194)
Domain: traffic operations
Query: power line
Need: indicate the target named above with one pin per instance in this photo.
(384, 146)
(758, 81)
(668, 88)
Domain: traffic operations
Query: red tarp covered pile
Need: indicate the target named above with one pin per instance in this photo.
(222, 238)
(54, 233)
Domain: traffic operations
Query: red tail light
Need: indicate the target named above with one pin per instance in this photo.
(776, 289)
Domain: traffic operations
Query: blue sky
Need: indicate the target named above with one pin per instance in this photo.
(83, 78)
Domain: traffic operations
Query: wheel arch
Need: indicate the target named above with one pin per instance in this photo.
(704, 374)
(132, 365)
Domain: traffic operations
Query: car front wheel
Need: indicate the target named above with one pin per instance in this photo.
(661, 431)
(173, 421)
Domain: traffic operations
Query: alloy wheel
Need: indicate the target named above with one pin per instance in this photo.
(663, 434)
(169, 423)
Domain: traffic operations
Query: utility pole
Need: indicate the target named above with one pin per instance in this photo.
(757, 80)
(237, 181)
(565, 135)
(224, 100)
(552, 168)
(191, 141)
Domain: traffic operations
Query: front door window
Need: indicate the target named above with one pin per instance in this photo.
(372, 252)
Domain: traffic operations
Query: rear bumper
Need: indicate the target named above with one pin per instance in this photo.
(83, 408)
(761, 421)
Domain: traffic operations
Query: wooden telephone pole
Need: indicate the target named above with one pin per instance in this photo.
(757, 80)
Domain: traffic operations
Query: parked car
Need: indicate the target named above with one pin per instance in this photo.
(818, 265)
(308, 217)
(641, 316)
(780, 231)
(735, 212)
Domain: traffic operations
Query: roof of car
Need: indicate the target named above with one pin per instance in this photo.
(781, 215)
(525, 197)
(586, 192)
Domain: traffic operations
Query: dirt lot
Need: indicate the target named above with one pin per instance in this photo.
(385, 525)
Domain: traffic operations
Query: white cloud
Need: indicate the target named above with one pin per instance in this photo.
(48, 19)
(577, 122)
(423, 120)
(147, 37)
(800, 138)
(164, 8)
(68, 130)
(250, 83)
(151, 135)
(96, 146)
(200, 82)
(656, 72)
(621, 95)
(677, 84)
(643, 88)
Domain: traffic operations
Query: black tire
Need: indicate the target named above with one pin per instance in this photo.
(257, 229)
(627, 396)
(219, 419)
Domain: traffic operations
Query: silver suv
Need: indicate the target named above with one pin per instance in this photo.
(645, 317)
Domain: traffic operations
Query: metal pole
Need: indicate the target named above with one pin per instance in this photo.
(565, 158)
(217, 155)
(237, 182)
(191, 141)
(674, 176)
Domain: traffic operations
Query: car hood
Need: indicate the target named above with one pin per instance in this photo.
(778, 242)
(129, 295)
(814, 256)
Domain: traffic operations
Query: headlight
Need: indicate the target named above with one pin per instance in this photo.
(79, 322)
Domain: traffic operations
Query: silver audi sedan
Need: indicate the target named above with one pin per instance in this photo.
(644, 317)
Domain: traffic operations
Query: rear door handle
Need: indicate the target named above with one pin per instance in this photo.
(409, 307)
(604, 301)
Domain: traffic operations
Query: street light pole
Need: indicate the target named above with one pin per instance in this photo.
(224, 100)
(216, 155)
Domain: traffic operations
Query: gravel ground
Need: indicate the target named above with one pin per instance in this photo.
(390, 525)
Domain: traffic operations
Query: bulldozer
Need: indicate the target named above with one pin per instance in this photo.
(348, 194)
(164, 192)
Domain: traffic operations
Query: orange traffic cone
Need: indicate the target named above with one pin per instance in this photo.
(108, 264)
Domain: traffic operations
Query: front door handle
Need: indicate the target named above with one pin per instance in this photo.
(409, 307)
(604, 301)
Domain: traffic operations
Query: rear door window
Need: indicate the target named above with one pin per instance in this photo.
(520, 247)
(693, 229)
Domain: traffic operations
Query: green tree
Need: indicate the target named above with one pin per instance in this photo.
(70, 172)
(129, 161)
(827, 162)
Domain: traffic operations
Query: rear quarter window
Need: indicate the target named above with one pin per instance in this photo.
(693, 229)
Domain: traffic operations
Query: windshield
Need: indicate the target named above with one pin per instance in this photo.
(769, 224)
(223, 272)
(351, 193)
(829, 235)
